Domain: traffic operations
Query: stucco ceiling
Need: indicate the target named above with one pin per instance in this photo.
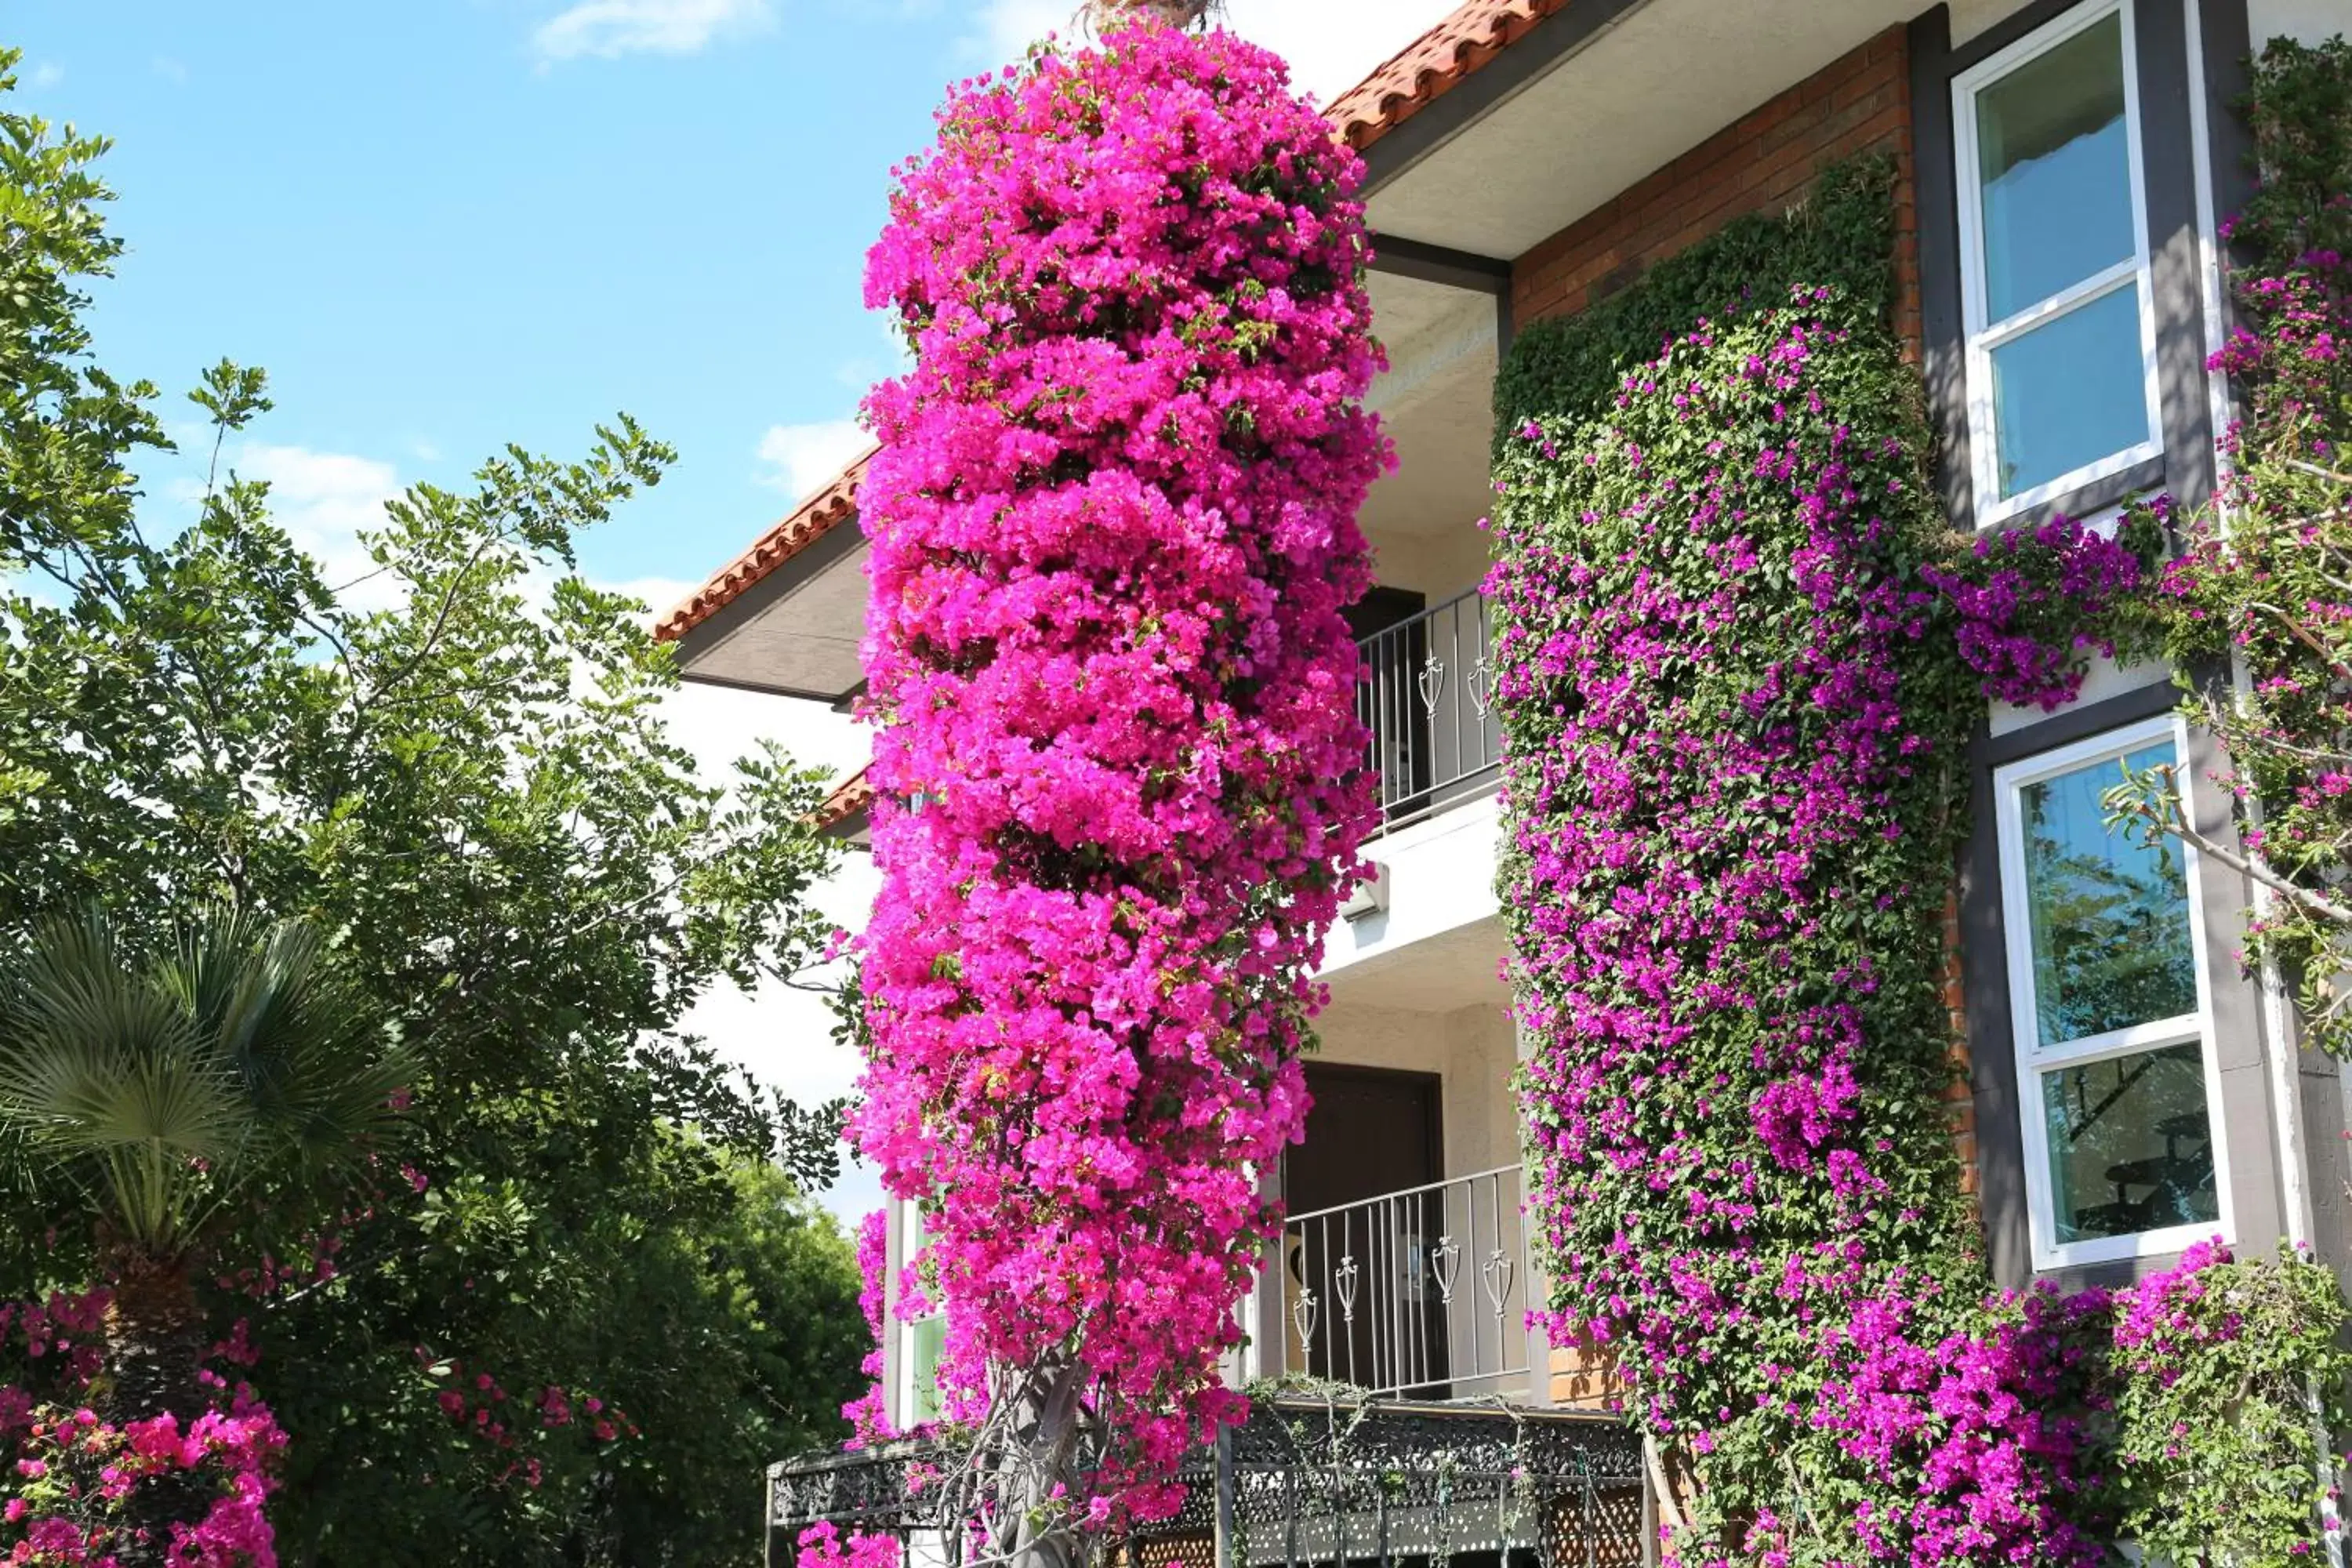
(1651, 86)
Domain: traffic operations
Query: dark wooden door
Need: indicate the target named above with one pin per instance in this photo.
(1372, 1137)
(1395, 646)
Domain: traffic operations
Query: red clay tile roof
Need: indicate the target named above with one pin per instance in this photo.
(850, 797)
(808, 523)
(1433, 65)
(1440, 59)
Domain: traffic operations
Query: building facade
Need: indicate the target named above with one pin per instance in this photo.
(2062, 167)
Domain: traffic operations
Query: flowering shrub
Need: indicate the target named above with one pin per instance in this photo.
(1741, 655)
(2211, 1437)
(868, 1414)
(1119, 769)
(1734, 737)
(2263, 581)
(78, 1488)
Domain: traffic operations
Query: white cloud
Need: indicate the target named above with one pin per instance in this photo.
(800, 458)
(323, 500)
(610, 28)
(169, 69)
(48, 73)
(1331, 44)
(780, 1034)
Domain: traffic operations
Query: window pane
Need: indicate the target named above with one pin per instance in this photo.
(2070, 392)
(2110, 915)
(2131, 1145)
(926, 1340)
(2055, 169)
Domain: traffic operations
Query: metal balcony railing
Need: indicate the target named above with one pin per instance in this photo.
(1302, 1484)
(1427, 695)
(1420, 1293)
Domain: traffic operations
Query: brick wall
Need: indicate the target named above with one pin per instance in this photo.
(1765, 162)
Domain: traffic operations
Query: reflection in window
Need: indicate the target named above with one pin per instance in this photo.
(2109, 1010)
(2131, 1144)
(2053, 157)
(2060, 359)
(2112, 945)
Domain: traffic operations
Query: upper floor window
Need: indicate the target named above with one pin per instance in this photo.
(2053, 243)
(2108, 1005)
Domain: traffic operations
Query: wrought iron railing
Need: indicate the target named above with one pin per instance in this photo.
(1427, 695)
(1301, 1482)
(1422, 1293)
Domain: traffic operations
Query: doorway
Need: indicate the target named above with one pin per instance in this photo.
(1360, 1305)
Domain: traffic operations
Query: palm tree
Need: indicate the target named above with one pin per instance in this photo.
(175, 1088)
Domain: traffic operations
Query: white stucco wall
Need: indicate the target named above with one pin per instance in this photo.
(1420, 953)
(2307, 21)
(1472, 1051)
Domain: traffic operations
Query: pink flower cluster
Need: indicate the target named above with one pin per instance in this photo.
(1119, 774)
(67, 1473)
(73, 1474)
(868, 1414)
(823, 1546)
(480, 1406)
(2031, 601)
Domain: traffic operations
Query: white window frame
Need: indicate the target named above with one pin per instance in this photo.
(1983, 337)
(905, 1411)
(2032, 1061)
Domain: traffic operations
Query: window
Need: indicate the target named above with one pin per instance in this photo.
(920, 1340)
(2108, 1000)
(2059, 311)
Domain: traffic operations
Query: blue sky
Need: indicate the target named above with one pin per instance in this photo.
(444, 225)
(448, 224)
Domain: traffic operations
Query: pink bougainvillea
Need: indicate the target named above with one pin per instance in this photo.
(71, 1479)
(1119, 776)
(868, 1414)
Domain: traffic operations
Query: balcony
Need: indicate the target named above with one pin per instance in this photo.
(1302, 1481)
(1426, 693)
(1422, 1294)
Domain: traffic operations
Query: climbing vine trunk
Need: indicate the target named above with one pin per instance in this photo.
(1108, 15)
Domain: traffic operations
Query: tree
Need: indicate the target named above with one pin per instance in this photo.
(172, 1086)
(2262, 588)
(458, 771)
(1113, 529)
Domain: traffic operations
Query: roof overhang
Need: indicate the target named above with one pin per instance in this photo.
(1491, 132)
(786, 616)
(1491, 150)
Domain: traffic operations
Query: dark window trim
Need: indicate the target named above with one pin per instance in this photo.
(2168, 162)
(2241, 1096)
(1984, 971)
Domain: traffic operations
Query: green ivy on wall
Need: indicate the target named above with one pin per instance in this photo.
(1741, 652)
(1843, 239)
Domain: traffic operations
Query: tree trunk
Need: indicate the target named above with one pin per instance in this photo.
(154, 1349)
(154, 1339)
(1036, 1471)
(1108, 15)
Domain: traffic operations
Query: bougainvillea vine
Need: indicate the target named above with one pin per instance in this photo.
(1118, 768)
(80, 1487)
(1741, 655)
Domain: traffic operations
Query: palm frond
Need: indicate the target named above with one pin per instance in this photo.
(314, 1064)
(180, 1079)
